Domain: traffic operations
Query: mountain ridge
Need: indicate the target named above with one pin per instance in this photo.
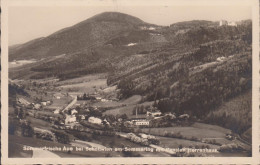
(77, 37)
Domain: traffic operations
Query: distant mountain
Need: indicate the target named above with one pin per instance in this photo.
(84, 35)
(99, 43)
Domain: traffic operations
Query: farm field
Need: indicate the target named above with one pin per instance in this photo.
(20, 63)
(128, 110)
(176, 143)
(132, 100)
(59, 103)
(211, 127)
(111, 104)
(197, 130)
(48, 113)
(86, 78)
(39, 123)
(120, 111)
(86, 84)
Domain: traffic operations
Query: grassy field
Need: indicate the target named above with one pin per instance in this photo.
(188, 131)
(211, 127)
(82, 79)
(122, 110)
(198, 130)
(86, 84)
(107, 104)
(132, 100)
(59, 103)
(39, 123)
(175, 143)
(86, 87)
(48, 113)
(128, 110)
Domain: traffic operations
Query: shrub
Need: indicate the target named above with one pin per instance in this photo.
(61, 137)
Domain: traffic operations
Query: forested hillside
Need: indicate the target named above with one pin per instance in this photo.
(189, 67)
(206, 67)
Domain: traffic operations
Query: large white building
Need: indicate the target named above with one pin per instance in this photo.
(140, 122)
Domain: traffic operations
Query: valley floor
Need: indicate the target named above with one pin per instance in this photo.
(194, 136)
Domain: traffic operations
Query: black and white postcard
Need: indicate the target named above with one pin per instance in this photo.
(130, 81)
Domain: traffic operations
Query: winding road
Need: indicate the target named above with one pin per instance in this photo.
(71, 103)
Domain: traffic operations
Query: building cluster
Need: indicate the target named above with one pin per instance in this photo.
(32, 105)
(227, 23)
(147, 28)
(152, 117)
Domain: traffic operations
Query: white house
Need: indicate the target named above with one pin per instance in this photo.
(82, 117)
(23, 101)
(94, 120)
(37, 106)
(171, 115)
(48, 102)
(151, 28)
(131, 44)
(223, 22)
(57, 111)
(184, 116)
(74, 111)
(143, 28)
(145, 136)
(221, 58)
(70, 119)
(153, 114)
(44, 103)
(58, 95)
(105, 120)
(232, 23)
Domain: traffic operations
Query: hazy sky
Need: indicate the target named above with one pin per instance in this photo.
(30, 22)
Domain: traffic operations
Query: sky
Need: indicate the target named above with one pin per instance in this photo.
(29, 22)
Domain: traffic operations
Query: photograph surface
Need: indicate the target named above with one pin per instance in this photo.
(118, 80)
